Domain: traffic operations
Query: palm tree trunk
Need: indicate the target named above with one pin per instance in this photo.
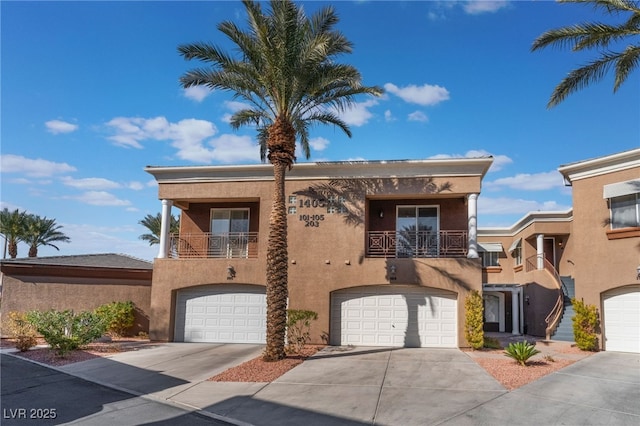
(33, 251)
(13, 249)
(277, 268)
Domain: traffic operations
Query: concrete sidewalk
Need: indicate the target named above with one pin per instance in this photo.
(385, 386)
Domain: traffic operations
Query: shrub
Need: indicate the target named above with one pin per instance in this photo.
(65, 331)
(586, 323)
(474, 318)
(22, 331)
(492, 343)
(521, 351)
(298, 326)
(119, 316)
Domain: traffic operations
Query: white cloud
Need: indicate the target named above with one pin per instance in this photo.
(134, 185)
(499, 161)
(32, 167)
(90, 183)
(476, 7)
(100, 198)
(388, 116)
(358, 114)
(58, 126)
(510, 206)
(318, 144)
(426, 94)
(197, 93)
(418, 116)
(528, 182)
(230, 148)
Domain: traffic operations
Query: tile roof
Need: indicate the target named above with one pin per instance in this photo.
(106, 260)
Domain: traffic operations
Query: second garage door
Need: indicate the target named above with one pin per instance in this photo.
(394, 316)
(622, 319)
(221, 314)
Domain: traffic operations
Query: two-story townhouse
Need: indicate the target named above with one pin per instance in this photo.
(385, 252)
(606, 243)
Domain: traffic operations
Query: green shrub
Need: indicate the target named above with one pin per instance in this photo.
(22, 331)
(298, 326)
(66, 331)
(119, 316)
(521, 351)
(586, 323)
(492, 343)
(474, 318)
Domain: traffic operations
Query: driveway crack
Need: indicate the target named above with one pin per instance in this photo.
(384, 379)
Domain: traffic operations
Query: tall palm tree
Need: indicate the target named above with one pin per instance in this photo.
(596, 36)
(12, 228)
(286, 71)
(154, 225)
(40, 231)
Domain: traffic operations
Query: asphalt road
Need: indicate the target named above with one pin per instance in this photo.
(36, 395)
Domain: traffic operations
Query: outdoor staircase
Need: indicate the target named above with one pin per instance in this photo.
(564, 331)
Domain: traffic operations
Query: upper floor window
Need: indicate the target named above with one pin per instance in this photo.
(516, 251)
(489, 258)
(625, 211)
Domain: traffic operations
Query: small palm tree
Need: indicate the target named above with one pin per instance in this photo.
(286, 71)
(12, 228)
(596, 36)
(40, 231)
(154, 225)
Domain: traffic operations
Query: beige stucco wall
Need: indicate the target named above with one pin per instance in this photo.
(23, 293)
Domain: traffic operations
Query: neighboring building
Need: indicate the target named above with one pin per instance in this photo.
(591, 252)
(385, 252)
(79, 283)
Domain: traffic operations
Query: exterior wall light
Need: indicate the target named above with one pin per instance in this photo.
(231, 272)
(392, 272)
(381, 213)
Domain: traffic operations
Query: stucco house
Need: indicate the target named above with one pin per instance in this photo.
(385, 252)
(77, 282)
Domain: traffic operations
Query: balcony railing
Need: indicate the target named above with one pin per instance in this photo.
(232, 245)
(416, 244)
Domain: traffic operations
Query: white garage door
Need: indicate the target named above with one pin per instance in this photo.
(622, 319)
(221, 314)
(394, 316)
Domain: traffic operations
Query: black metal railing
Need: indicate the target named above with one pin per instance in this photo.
(417, 244)
(232, 245)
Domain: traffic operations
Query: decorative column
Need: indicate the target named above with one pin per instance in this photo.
(540, 250)
(515, 311)
(165, 227)
(472, 209)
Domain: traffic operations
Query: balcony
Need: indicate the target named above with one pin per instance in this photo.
(417, 244)
(232, 245)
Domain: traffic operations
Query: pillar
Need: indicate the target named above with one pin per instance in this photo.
(515, 311)
(540, 250)
(165, 228)
(472, 209)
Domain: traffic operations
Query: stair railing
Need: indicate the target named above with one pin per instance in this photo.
(554, 316)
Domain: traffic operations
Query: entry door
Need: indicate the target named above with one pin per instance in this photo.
(417, 231)
(229, 232)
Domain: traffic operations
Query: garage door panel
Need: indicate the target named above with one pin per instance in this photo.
(622, 319)
(221, 314)
(394, 316)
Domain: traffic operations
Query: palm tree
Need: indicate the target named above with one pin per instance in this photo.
(12, 228)
(286, 72)
(154, 224)
(40, 231)
(596, 36)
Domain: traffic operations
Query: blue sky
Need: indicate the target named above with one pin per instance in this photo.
(90, 96)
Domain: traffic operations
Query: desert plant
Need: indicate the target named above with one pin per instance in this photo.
(22, 331)
(492, 343)
(586, 323)
(298, 328)
(521, 351)
(474, 318)
(65, 331)
(119, 316)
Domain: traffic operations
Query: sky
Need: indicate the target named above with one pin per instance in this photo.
(90, 95)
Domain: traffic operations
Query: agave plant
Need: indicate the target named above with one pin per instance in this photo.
(521, 352)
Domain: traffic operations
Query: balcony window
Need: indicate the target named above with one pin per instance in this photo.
(229, 233)
(625, 211)
(417, 231)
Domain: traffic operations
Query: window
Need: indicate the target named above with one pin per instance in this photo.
(516, 251)
(625, 211)
(229, 233)
(489, 259)
(417, 231)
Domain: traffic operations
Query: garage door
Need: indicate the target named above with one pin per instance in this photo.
(221, 314)
(622, 319)
(394, 316)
